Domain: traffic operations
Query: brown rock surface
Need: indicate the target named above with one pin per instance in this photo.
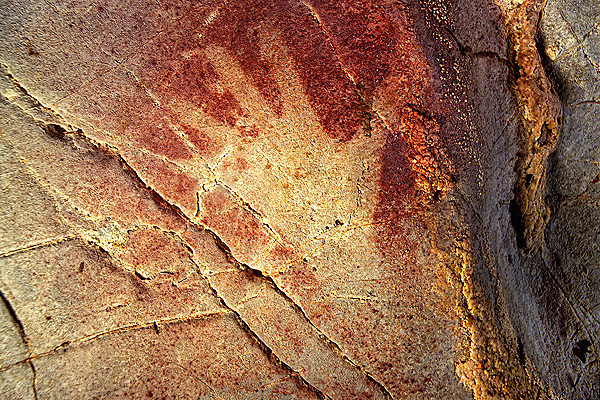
(267, 199)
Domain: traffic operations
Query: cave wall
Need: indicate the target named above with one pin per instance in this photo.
(293, 200)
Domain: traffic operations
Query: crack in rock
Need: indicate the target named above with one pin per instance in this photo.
(25, 339)
(152, 324)
(367, 102)
(364, 384)
(262, 345)
(37, 245)
(297, 308)
(468, 51)
(253, 211)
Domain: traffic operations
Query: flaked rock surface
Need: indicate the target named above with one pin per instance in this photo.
(291, 200)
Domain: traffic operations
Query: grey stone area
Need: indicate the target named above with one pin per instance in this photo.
(553, 297)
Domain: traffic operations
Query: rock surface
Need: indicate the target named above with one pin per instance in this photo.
(296, 200)
(566, 282)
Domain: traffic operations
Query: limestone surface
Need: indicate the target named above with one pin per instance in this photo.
(278, 199)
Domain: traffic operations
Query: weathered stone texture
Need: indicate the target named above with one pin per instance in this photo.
(274, 199)
(569, 357)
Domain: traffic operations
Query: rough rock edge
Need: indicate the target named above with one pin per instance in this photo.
(496, 367)
(56, 125)
(541, 111)
(493, 368)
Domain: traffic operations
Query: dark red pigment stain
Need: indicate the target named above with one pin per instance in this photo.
(368, 39)
(364, 36)
(236, 29)
(418, 167)
(174, 73)
(397, 187)
(197, 81)
(174, 65)
(376, 42)
(334, 98)
(377, 45)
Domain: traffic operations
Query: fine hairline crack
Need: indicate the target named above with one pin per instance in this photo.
(24, 338)
(119, 329)
(113, 151)
(37, 245)
(366, 101)
(328, 341)
(174, 208)
(466, 50)
(245, 327)
(254, 212)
